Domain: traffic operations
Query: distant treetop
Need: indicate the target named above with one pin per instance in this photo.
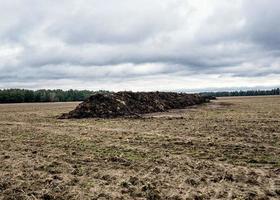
(23, 95)
(275, 91)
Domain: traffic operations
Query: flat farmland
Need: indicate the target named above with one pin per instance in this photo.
(226, 149)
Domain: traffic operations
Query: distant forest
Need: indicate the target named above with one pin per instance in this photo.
(275, 91)
(22, 95)
(25, 96)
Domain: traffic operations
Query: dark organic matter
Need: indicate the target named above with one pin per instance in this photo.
(109, 105)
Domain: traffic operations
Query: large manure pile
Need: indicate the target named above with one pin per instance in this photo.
(110, 105)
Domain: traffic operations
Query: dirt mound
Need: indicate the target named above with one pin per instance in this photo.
(110, 105)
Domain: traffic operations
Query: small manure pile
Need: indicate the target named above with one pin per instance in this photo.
(110, 105)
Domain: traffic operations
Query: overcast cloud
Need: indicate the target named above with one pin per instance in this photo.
(139, 44)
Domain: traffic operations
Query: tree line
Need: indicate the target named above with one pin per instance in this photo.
(275, 91)
(23, 95)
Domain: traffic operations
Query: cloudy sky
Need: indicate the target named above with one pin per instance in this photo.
(139, 44)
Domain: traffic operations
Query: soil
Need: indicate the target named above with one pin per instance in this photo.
(226, 149)
(111, 105)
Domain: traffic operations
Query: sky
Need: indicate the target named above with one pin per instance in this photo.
(139, 45)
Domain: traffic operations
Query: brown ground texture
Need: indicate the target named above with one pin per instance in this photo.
(227, 149)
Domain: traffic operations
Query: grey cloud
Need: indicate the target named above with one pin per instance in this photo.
(119, 40)
(262, 22)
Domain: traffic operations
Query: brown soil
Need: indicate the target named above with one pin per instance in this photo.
(226, 149)
(110, 105)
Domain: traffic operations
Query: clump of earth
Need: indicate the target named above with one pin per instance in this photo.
(119, 104)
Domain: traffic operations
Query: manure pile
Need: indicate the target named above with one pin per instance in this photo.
(110, 105)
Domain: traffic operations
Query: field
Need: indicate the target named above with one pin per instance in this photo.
(227, 149)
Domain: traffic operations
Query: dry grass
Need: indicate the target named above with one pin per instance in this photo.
(228, 149)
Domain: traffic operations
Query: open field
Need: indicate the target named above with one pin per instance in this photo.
(227, 149)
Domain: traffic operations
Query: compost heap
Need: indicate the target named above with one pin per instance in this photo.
(110, 105)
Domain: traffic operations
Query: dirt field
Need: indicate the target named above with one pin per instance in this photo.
(228, 149)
